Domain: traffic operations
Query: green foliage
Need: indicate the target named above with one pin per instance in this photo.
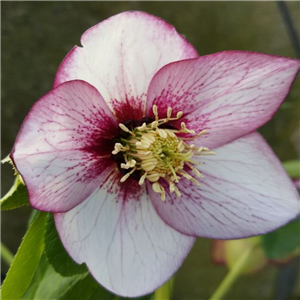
(56, 253)
(283, 242)
(88, 289)
(37, 278)
(26, 260)
(48, 284)
(16, 197)
(292, 167)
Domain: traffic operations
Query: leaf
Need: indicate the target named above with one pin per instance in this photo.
(57, 255)
(36, 280)
(292, 167)
(283, 242)
(16, 197)
(53, 285)
(47, 283)
(87, 289)
(26, 260)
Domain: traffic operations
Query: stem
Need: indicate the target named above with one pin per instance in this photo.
(232, 275)
(287, 19)
(165, 291)
(6, 255)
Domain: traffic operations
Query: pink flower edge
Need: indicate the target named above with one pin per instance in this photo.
(59, 150)
(230, 93)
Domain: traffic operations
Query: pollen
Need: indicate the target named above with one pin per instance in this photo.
(158, 154)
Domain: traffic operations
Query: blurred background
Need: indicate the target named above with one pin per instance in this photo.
(37, 35)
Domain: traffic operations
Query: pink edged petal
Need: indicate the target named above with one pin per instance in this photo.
(229, 93)
(120, 56)
(63, 149)
(126, 246)
(245, 191)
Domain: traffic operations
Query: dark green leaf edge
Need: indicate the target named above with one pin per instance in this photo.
(16, 197)
(56, 254)
(283, 242)
(26, 261)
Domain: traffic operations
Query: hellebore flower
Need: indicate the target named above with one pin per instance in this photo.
(142, 145)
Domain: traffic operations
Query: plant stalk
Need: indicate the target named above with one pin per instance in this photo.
(165, 291)
(6, 255)
(232, 275)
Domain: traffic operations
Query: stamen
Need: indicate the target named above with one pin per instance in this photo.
(130, 164)
(194, 170)
(172, 170)
(158, 188)
(124, 128)
(142, 179)
(207, 153)
(196, 136)
(179, 114)
(169, 112)
(126, 176)
(119, 147)
(158, 153)
(155, 112)
(142, 128)
(153, 177)
(184, 129)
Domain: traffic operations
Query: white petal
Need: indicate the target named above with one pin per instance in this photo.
(245, 191)
(125, 244)
(230, 93)
(121, 55)
(63, 150)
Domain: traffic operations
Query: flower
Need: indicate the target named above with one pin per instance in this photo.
(119, 150)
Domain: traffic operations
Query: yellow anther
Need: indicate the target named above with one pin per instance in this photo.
(142, 128)
(169, 112)
(130, 164)
(179, 114)
(123, 127)
(119, 147)
(162, 133)
(126, 176)
(153, 177)
(155, 112)
(158, 188)
(142, 179)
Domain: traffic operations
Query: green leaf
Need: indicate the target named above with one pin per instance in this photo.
(38, 277)
(292, 167)
(57, 255)
(16, 197)
(53, 285)
(283, 242)
(47, 283)
(26, 260)
(87, 289)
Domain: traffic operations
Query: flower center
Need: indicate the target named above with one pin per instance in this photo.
(153, 151)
